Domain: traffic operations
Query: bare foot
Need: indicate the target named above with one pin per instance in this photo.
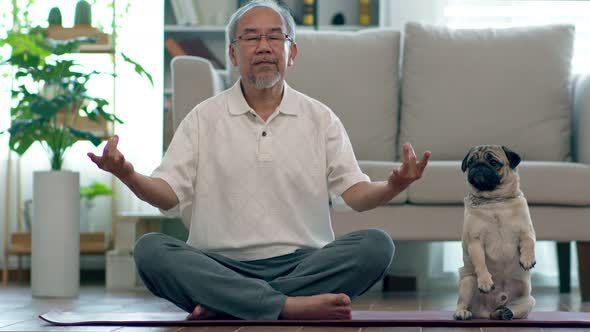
(323, 306)
(200, 313)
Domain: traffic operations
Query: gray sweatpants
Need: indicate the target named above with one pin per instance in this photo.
(257, 289)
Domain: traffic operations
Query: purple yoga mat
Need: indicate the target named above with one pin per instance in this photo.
(359, 318)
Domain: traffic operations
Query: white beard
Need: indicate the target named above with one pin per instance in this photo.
(265, 83)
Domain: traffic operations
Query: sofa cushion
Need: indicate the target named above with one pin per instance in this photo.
(489, 86)
(379, 171)
(552, 183)
(356, 75)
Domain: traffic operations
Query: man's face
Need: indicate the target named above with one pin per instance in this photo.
(262, 63)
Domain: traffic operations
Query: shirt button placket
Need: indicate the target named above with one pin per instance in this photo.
(264, 153)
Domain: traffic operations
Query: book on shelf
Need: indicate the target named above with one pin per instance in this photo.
(216, 12)
(294, 6)
(192, 46)
(309, 12)
(375, 12)
(186, 12)
(365, 12)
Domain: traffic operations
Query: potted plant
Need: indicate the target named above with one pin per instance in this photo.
(52, 106)
(87, 196)
(51, 97)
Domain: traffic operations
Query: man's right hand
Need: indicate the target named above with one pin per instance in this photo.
(112, 160)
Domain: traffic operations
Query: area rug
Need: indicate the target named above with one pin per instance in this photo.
(359, 318)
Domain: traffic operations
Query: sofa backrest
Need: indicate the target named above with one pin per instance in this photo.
(356, 75)
(193, 80)
(459, 88)
(491, 86)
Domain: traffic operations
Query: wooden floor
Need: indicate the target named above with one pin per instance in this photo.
(19, 311)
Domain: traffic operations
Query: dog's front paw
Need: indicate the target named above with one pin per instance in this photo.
(502, 313)
(485, 283)
(527, 261)
(462, 314)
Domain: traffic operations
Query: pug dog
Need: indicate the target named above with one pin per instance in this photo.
(498, 239)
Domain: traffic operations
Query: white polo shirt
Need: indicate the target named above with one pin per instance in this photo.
(250, 189)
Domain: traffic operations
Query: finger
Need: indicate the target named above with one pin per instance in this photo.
(115, 141)
(422, 164)
(411, 153)
(111, 147)
(405, 153)
(92, 156)
(95, 159)
(409, 164)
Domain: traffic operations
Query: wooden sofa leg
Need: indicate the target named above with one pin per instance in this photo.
(564, 263)
(584, 269)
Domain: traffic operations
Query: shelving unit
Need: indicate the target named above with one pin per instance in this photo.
(18, 243)
(94, 243)
(213, 36)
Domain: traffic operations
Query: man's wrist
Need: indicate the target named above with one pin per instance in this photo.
(126, 178)
(390, 192)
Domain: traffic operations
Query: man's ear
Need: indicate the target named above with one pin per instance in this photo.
(292, 54)
(232, 54)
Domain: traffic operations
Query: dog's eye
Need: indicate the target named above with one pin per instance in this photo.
(494, 163)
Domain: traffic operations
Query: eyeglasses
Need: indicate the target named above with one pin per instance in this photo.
(273, 38)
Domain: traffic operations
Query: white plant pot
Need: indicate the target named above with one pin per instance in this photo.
(55, 251)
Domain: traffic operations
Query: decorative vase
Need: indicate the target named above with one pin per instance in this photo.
(83, 15)
(54, 16)
(55, 247)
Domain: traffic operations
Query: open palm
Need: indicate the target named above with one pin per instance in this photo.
(112, 160)
(410, 169)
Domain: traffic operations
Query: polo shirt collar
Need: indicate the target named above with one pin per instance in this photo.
(238, 105)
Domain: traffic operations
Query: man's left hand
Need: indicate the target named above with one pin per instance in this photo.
(410, 169)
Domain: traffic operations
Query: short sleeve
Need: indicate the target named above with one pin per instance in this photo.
(343, 170)
(179, 165)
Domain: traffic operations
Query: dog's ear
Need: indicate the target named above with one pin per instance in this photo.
(513, 157)
(464, 163)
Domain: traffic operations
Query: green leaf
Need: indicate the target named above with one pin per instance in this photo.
(20, 126)
(95, 189)
(49, 108)
(100, 113)
(138, 68)
(86, 135)
(23, 133)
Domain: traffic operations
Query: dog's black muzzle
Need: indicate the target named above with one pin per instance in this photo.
(483, 177)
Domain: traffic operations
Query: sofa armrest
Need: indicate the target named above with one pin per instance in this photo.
(581, 119)
(193, 80)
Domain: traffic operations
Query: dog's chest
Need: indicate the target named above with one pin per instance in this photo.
(500, 237)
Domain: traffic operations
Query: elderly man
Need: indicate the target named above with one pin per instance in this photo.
(254, 167)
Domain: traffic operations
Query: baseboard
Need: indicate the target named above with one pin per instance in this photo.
(87, 277)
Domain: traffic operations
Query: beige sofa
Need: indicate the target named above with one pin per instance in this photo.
(445, 91)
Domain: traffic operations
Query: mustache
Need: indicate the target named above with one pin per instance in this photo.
(264, 60)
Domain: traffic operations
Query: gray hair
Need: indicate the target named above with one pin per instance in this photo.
(280, 8)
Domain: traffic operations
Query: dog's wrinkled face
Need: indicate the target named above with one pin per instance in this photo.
(491, 168)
